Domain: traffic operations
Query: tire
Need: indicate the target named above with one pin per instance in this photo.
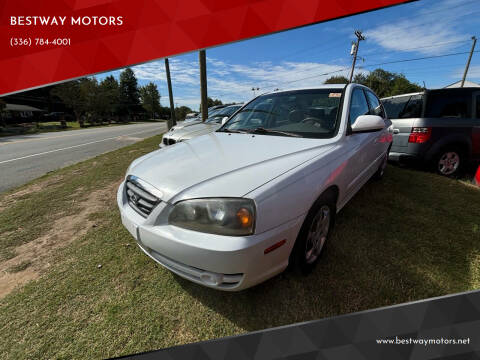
(449, 162)
(314, 233)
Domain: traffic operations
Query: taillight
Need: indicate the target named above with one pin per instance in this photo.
(420, 135)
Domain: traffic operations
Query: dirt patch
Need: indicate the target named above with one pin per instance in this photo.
(17, 195)
(65, 229)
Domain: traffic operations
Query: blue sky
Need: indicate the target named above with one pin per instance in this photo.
(299, 57)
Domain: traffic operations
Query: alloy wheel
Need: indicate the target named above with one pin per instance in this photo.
(317, 234)
(448, 163)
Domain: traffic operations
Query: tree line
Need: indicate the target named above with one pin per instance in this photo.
(109, 100)
(124, 100)
(383, 83)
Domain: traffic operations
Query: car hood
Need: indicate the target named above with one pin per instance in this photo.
(223, 164)
(184, 124)
(196, 130)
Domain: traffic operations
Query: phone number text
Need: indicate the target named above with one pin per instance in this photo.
(14, 41)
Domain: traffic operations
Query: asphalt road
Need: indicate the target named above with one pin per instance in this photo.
(26, 157)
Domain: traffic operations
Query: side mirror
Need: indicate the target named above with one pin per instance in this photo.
(365, 123)
(224, 120)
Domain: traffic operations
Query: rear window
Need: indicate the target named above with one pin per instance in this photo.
(404, 107)
(449, 104)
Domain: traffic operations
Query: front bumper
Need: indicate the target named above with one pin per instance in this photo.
(222, 262)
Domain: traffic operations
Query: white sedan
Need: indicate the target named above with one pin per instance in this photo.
(233, 208)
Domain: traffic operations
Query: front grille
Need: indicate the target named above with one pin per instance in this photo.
(139, 199)
(167, 141)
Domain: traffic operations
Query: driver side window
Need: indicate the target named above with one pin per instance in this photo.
(358, 105)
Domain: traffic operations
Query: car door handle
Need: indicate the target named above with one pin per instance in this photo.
(396, 131)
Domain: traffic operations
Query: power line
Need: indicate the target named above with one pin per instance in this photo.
(423, 13)
(306, 71)
(313, 47)
(420, 58)
(370, 65)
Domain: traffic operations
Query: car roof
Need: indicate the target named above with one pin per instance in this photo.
(401, 95)
(323, 86)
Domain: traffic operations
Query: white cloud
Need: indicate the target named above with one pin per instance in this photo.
(182, 72)
(433, 31)
(232, 82)
(239, 79)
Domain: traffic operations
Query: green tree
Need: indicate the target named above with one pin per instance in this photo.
(150, 97)
(129, 97)
(181, 112)
(110, 93)
(93, 99)
(402, 86)
(385, 83)
(73, 97)
(211, 102)
(337, 79)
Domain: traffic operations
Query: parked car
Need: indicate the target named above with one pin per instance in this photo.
(198, 117)
(440, 128)
(233, 208)
(184, 124)
(191, 116)
(213, 123)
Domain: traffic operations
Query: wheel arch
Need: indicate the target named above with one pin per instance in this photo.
(454, 141)
(332, 191)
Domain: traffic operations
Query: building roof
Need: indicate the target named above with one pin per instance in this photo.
(18, 107)
(466, 84)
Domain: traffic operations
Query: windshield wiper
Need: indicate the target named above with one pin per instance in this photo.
(261, 130)
(241, 131)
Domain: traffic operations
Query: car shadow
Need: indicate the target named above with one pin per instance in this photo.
(411, 236)
(467, 174)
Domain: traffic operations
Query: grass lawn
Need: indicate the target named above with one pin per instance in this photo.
(411, 236)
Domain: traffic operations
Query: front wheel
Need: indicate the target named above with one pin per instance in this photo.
(313, 235)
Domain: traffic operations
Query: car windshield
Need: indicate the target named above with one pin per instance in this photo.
(220, 114)
(300, 113)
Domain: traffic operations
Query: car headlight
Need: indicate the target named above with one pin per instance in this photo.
(222, 216)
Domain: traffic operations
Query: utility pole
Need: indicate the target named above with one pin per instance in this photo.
(203, 83)
(469, 59)
(360, 37)
(172, 122)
